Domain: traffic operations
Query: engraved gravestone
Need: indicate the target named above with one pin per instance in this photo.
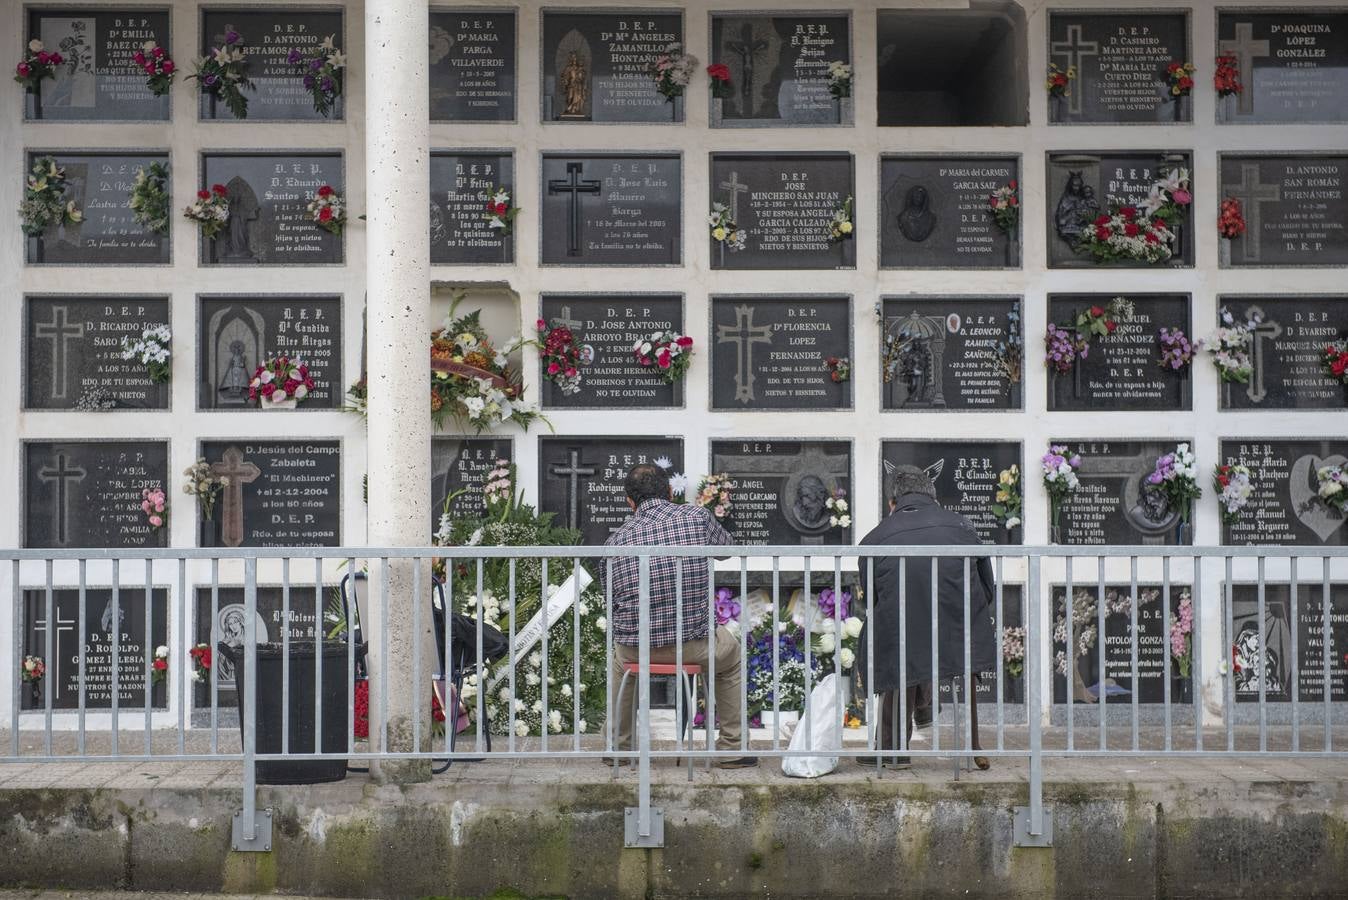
(1115, 503)
(1120, 60)
(784, 203)
(1285, 350)
(951, 353)
(580, 479)
(1122, 370)
(611, 210)
(935, 214)
(596, 65)
(269, 195)
(83, 493)
(98, 80)
(227, 612)
(1292, 65)
(281, 493)
(965, 474)
(239, 333)
(99, 184)
(782, 488)
(1284, 508)
(461, 228)
(1083, 185)
(1294, 207)
(73, 354)
(104, 622)
(459, 468)
(1292, 650)
(779, 68)
(269, 35)
(770, 352)
(611, 325)
(473, 65)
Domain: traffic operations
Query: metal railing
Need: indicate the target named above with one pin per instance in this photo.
(557, 606)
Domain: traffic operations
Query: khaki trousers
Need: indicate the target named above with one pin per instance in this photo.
(729, 688)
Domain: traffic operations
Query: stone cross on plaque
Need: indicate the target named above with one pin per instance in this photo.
(735, 187)
(1076, 50)
(1264, 331)
(565, 321)
(747, 48)
(61, 475)
(573, 472)
(1253, 192)
(239, 473)
(744, 334)
(574, 186)
(1246, 50)
(59, 331)
(58, 650)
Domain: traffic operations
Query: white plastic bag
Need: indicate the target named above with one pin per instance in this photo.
(820, 728)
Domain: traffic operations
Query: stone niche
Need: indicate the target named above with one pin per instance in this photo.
(953, 66)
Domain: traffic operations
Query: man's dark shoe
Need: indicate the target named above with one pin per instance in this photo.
(742, 762)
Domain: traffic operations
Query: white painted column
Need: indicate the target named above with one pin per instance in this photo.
(397, 150)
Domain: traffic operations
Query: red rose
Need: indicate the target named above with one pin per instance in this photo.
(553, 368)
(203, 195)
(1186, 83)
(1110, 325)
(56, 59)
(158, 52)
(43, 57)
(1222, 480)
(167, 66)
(571, 373)
(540, 325)
(308, 382)
(325, 191)
(662, 359)
(1012, 201)
(1102, 233)
(1128, 212)
(325, 214)
(23, 69)
(1173, 67)
(1011, 184)
(500, 209)
(1151, 238)
(1101, 219)
(1157, 223)
(219, 189)
(161, 665)
(149, 68)
(1097, 311)
(1339, 366)
(139, 58)
(685, 341)
(718, 72)
(269, 388)
(1131, 229)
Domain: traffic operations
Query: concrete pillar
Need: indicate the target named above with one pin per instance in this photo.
(397, 150)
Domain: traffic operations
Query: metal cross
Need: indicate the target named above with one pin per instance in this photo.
(574, 186)
(61, 475)
(747, 48)
(1076, 50)
(1246, 50)
(239, 473)
(573, 472)
(59, 331)
(735, 187)
(1252, 193)
(58, 654)
(744, 334)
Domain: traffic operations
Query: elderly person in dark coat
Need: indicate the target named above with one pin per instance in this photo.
(916, 518)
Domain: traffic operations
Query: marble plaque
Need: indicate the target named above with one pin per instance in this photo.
(1292, 65)
(596, 64)
(611, 324)
(269, 35)
(228, 613)
(951, 353)
(459, 467)
(99, 81)
(1294, 207)
(282, 493)
(965, 475)
(473, 65)
(1284, 509)
(1115, 504)
(87, 493)
(239, 333)
(611, 210)
(580, 479)
(779, 68)
(934, 212)
(769, 352)
(269, 195)
(1286, 349)
(781, 488)
(461, 184)
(73, 352)
(99, 184)
(1120, 60)
(1281, 666)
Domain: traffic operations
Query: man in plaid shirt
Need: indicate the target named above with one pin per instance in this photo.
(657, 522)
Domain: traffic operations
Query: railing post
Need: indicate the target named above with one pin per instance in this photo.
(644, 826)
(1033, 825)
(251, 832)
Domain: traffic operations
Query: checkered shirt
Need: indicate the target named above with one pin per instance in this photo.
(659, 523)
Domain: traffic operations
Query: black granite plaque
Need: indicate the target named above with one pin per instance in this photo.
(269, 195)
(965, 474)
(1292, 65)
(951, 353)
(229, 616)
(1120, 60)
(611, 325)
(785, 202)
(1280, 666)
(99, 184)
(1286, 349)
(98, 80)
(611, 210)
(268, 37)
(1295, 210)
(459, 467)
(473, 65)
(769, 352)
(985, 684)
(73, 352)
(280, 494)
(1115, 504)
(100, 616)
(461, 185)
(1122, 371)
(781, 488)
(1118, 686)
(1283, 509)
(239, 333)
(596, 65)
(934, 212)
(1084, 184)
(88, 493)
(580, 479)
(779, 68)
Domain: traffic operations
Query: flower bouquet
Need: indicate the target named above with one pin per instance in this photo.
(562, 356)
(719, 74)
(1177, 351)
(159, 665)
(839, 369)
(1230, 347)
(840, 226)
(1176, 475)
(1004, 207)
(1230, 219)
(1233, 487)
(280, 383)
(1140, 232)
(1013, 650)
(36, 65)
(1333, 487)
(1059, 81)
(1180, 77)
(1009, 352)
(158, 66)
(223, 74)
(204, 485)
(154, 505)
(210, 210)
(1059, 468)
(724, 230)
(1226, 77)
(472, 382)
(500, 211)
(669, 353)
(1334, 361)
(201, 662)
(839, 79)
(33, 668)
(838, 514)
(327, 210)
(1181, 634)
(1007, 503)
(714, 495)
(150, 203)
(44, 199)
(321, 70)
(672, 70)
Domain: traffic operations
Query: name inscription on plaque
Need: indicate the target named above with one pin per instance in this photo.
(88, 493)
(1294, 208)
(951, 353)
(459, 468)
(269, 35)
(1284, 508)
(779, 69)
(1276, 634)
(965, 474)
(935, 213)
(611, 325)
(580, 479)
(596, 66)
(771, 352)
(238, 334)
(98, 80)
(1286, 347)
(1292, 65)
(1120, 61)
(1115, 504)
(269, 195)
(461, 185)
(472, 65)
(99, 184)
(280, 494)
(782, 488)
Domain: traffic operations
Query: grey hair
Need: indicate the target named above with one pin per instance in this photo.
(910, 480)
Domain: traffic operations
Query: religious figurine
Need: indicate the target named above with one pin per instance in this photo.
(809, 508)
(1076, 207)
(747, 47)
(234, 384)
(575, 86)
(917, 221)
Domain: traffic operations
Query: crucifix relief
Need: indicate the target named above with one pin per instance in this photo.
(1246, 50)
(747, 47)
(735, 187)
(239, 472)
(1253, 193)
(573, 471)
(60, 331)
(1075, 50)
(744, 334)
(574, 186)
(61, 476)
(1265, 331)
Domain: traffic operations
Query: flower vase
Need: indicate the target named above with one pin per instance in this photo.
(1012, 249)
(1184, 533)
(33, 244)
(720, 250)
(1178, 114)
(1177, 249)
(676, 109)
(716, 110)
(284, 404)
(1055, 534)
(1181, 689)
(844, 107)
(35, 695)
(1014, 687)
(1224, 253)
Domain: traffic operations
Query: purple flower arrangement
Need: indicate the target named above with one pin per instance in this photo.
(1063, 346)
(223, 73)
(321, 69)
(1177, 351)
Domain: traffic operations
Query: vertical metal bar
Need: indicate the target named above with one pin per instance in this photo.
(1070, 651)
(352, 620)
(116, 650)
(543, 716)
(1229, 682)
(416, 686)
(183, 640)
(679, 680)
(48, 645)
(213, 635)
(644, 696)
(610, 740)
(1196, 649)
(744, 678)
(1263, 661)
(285, 651)
(838, 634)
(968, 662)
(776, 657)
(1000, 622)
(935, 662)
(153, 648)
(1132, 652)
(383, 653)
(447, 607)
(871, 706)
(711, 661)
(1033, 712)
(810, 607)
(16, 643)
(1296, 655)
(1326, 636)
(1101, 698)
(249, 704)
(510, 674)
(350, 663)
(1165, 643)
(83, 699)
(575, 656)
(900, 725)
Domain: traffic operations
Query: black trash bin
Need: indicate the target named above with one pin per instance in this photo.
(337, 680)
